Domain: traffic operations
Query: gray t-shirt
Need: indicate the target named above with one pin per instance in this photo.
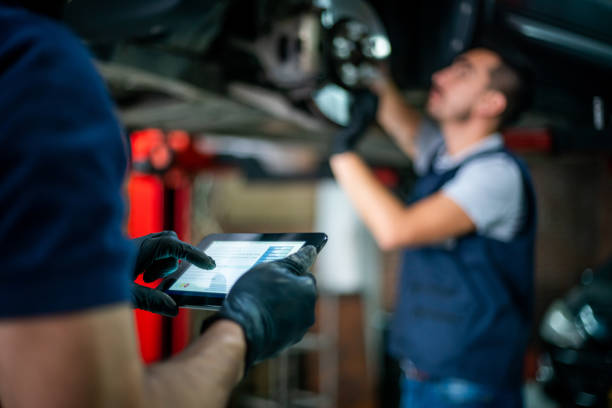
(488, 189)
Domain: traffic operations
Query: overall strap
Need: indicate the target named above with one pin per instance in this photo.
(483, 153)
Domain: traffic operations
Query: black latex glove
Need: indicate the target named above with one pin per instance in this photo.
(362, 113)
(273, 303)
(158, 256)
(153, 300)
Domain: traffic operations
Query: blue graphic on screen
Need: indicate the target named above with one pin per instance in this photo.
(274, 253)
(233, 258)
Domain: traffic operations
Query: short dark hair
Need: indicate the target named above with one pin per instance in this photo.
(512, 77)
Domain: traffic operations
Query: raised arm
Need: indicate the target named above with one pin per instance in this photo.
(400, 120)
(393, 224)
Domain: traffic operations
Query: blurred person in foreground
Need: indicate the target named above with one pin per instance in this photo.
(67, 335)
(464, 304)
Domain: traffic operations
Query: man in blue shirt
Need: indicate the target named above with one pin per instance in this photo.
(467, 234)
(67, 337)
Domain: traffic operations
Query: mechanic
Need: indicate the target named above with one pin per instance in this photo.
(464, 305)
(67, 335)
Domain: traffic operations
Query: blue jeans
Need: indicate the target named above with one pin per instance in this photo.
(455, 393)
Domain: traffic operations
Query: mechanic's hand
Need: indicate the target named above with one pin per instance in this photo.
(153, 300)
(273, 303)
(158, 256)
(378, 77)
(363, 113)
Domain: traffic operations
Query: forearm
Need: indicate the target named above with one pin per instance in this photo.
(204, 374)
(379, 209)
(397, 118)
(394, 225)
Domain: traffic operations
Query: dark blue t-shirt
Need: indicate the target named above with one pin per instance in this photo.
(62, 164)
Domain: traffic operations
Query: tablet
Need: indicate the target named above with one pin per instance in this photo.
(196, 288)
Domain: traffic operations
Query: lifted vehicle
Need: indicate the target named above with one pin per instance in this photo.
(282, 71)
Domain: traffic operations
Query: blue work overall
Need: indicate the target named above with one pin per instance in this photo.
(464, 306)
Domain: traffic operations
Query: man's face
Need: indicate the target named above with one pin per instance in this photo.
(458, 88)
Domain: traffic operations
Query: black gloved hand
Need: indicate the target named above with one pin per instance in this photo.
(153, 300)
(363, 113)
(158, 256)
(273, 303)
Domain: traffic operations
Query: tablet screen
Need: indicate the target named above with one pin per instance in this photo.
(233, 258)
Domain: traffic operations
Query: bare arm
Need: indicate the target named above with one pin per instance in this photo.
(392, 224)
(396, 116)
(204, 374)
(90, 359)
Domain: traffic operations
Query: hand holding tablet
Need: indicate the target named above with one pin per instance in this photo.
(234, 254)
(158, 256)
(261, 282)
(274, 304)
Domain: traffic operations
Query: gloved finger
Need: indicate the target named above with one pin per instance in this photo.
(302, 260)
(149, 250)
(160, 269)
(150, 239)
(309, 283)
(153, 300)
(311, 277)
(185, 251)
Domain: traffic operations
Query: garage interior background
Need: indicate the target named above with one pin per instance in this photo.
(223, 101)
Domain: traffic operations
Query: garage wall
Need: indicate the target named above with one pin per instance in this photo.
(575, 220)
